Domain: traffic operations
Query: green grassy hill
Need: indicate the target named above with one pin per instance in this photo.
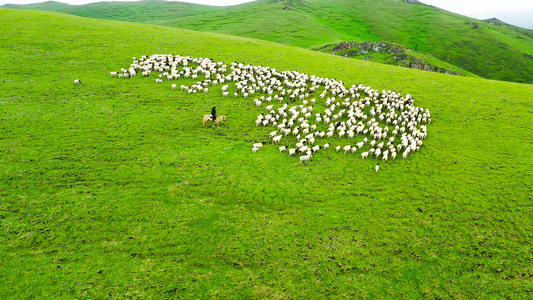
(490, 51)
(114, 189)
(524, 31)
(146, 11)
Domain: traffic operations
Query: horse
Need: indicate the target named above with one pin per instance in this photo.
(207, 118)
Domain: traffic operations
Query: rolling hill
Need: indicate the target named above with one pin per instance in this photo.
(488, 50)
(114, 189)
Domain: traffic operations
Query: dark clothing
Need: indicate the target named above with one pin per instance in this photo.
(214, 113)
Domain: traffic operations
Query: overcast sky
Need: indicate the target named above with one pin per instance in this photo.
(516, 12)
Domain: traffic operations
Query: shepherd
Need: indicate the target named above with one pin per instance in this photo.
(214, 114)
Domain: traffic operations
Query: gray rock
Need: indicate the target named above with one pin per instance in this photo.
(380, 47)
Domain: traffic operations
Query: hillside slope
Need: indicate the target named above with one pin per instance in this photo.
(490, 51)
(524, 31)
(147, 11)
(113, 188)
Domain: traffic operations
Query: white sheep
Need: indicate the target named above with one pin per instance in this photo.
(276, 139)
(347, 148)
(303, 149)
(406, 152)
(305, 158)
(377, 153)
(292, 151)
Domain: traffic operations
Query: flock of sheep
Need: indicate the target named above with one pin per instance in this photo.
(388, 122)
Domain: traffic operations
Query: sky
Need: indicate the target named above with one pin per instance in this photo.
(516, 12)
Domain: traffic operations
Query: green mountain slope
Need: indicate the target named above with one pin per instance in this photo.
(490, 51)
(114, 189)
(148, 11)
(524, 31)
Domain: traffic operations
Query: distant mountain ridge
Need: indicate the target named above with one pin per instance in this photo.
(490, 49)
(524, 31)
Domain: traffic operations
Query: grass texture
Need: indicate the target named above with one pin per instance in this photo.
(114, 189)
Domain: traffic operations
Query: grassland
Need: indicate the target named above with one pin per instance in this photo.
(495, 51)
(114, 189)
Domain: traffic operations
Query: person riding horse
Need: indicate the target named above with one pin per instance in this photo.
(214, 114)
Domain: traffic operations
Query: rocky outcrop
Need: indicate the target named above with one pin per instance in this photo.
(476, 25)
(367, 47)
(411, 1)
(529, 56)
(398, 55)
(494, 21)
